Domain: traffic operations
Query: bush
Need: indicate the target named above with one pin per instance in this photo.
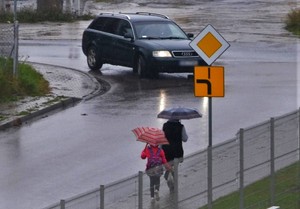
(28, 81)
(293, 21)
(28, 15)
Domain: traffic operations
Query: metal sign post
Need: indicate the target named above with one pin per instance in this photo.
(209, 156)
(209, 82)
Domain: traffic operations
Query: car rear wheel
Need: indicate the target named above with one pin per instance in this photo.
(93, 59)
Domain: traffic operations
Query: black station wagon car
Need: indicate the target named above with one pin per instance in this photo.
(149, 43)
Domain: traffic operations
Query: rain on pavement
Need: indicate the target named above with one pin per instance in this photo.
(90, 144)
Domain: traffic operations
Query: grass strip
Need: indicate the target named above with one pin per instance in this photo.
(25, 82)
(257, 195)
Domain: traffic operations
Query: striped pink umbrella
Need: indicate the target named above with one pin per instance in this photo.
(152, 136)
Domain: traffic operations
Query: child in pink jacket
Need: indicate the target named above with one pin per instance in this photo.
(154, 173)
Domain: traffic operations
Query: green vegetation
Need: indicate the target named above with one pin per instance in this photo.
(257, 195)
(28, 82)
(28, 15)
(293, 22)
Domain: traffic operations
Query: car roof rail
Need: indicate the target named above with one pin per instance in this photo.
(107, 13)
(125, 14)
(115, 14)
(153, 14)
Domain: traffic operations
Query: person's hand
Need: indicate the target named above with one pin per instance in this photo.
(168, 167)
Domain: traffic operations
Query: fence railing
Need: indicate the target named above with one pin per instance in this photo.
(254, 153)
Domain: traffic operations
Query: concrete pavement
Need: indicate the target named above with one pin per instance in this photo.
(68, 86)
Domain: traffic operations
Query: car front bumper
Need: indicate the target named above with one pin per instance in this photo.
(172, 65)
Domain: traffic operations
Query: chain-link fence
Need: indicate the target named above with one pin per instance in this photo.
(9, 43)
(7, 40)
(255, 153)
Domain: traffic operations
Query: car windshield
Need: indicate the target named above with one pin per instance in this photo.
(158, 30)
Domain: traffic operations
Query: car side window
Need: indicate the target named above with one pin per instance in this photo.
(124, 28)
(110, 25)
(97, 24)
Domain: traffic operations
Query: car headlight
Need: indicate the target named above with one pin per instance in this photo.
(161, 54)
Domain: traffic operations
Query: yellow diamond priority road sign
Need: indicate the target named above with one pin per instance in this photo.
(209, 44)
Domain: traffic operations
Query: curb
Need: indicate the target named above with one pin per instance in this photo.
(101, 87)
(17, 122)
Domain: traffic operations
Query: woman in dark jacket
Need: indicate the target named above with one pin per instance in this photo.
(176, 134)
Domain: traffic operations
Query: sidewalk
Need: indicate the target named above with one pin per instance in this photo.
(68, 86)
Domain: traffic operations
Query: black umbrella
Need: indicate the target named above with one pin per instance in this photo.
(179, 113)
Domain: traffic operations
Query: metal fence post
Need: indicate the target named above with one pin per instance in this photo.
(140, 190)
(298, 167)
(16, 48)
(299, 136)
(272, 152)
(241, 168)
(101, 196)
(176, 163)
(62, 204)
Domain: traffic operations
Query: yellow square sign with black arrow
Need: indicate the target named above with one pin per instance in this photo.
(209, 81)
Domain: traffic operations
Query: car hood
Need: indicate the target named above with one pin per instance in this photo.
(167, 44)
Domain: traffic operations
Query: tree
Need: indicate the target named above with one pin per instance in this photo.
(68, 6)
(49, 5)
(2, 8)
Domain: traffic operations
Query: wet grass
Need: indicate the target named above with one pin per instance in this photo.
(293, 22)
(28, 15)
(257, 195)
(26, 82)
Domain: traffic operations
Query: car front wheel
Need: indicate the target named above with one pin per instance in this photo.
(93, 59)
(141, 67)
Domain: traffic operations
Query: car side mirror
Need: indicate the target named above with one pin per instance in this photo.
(128, 35)
(190, 35)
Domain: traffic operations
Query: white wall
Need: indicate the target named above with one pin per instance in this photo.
(76, 6)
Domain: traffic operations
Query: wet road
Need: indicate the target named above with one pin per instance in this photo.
(91, 144)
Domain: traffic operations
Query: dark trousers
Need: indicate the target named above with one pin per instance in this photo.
(154, 184)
